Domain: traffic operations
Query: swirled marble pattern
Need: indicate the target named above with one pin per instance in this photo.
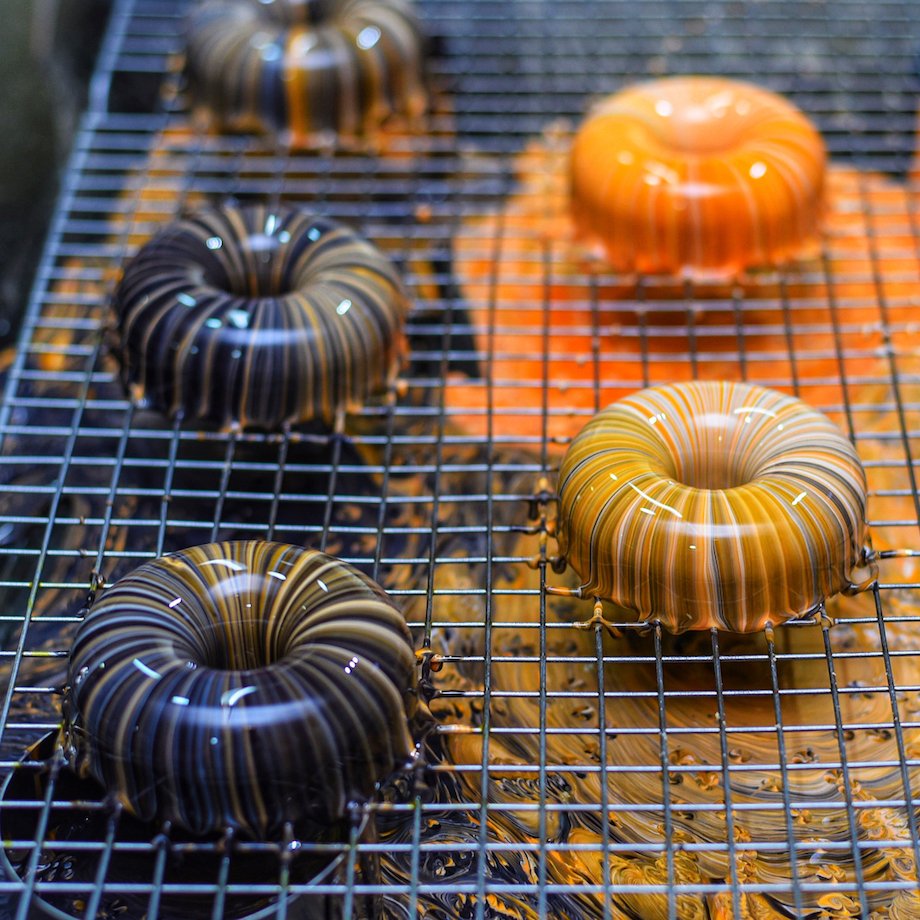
(725, 771)
(241, 685)
(700, 175)
(343, 67)
(258, 316)
(712, 504)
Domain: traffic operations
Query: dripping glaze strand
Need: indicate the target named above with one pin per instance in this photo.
(712, 504)
(697, 175)
(343, 67)
(243, 685)
(259, 316)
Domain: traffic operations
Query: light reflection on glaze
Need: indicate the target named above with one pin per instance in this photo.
(697, 174)
(236, 316)
(206, 692)
(712, 504)
(343, 66)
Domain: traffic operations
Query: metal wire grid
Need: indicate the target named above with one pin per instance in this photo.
(93, 485)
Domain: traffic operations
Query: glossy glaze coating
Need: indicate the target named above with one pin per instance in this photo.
(697, 175)
(241, 685)
(307, 69)
(258, 317)
(712, 504)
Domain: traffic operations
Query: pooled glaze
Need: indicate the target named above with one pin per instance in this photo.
(304, 69)
(259, 316)
(241, 685)
(697, 175)
(712, 504)
(563, 338)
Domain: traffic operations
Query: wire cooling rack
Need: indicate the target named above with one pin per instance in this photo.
(580, 767)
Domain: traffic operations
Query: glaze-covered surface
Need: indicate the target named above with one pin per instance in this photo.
(541, 311)
(259, 316)
(342, 67)
(712, 504)
(697, 175)
(241, 685)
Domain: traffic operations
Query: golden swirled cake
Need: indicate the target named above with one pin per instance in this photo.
(307, 71)
(713, 504)
(241, 685)
(257, 317)
(697, 175)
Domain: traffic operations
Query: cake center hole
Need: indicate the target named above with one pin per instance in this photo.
(260, 271)
(237, 645)
(236, 634)
(698, 135)
(707, 460)
(297, 12)
(712, 469)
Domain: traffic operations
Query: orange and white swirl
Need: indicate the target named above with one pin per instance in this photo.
(697, 175)
(712, 504)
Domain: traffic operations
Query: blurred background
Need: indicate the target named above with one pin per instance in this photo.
(47, 50)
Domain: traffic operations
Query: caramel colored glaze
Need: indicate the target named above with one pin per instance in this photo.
(697, 175)
(258, 317)
(241, 685)
(541, 308)
(712, 505)
(307, 72)
(695, 783)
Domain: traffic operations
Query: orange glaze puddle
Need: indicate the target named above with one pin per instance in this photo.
(561, 317)
(573, 831)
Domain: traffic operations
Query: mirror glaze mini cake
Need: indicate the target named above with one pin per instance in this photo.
(713, 504)
(257, 317)
(697, 175)
(241, 685)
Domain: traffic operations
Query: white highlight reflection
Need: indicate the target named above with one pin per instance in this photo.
(368, 37)
(654, 501)
(146, 670)
(234, 696)
(229, 563)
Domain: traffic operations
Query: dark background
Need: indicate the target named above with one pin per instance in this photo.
(47, 50)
